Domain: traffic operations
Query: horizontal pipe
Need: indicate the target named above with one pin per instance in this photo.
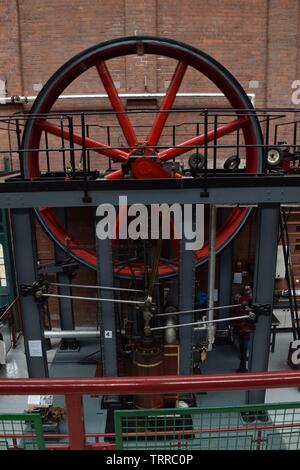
(198, 310)
(202, 322)
(83, 286)
(28, 99)
(71, 333)
(155, 384)
(95, 299)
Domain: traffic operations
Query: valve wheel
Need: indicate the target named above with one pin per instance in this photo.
(141, 168)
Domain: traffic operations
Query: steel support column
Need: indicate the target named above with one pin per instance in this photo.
(263, 291)
(26, 267)
(66, 314)
(107, 313)
(186, 302)
(225, 273)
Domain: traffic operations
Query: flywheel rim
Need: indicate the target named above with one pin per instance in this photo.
(88, 58)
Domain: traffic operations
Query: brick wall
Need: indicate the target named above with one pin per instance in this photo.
(257, 40)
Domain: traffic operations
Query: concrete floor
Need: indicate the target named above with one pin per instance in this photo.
(222, 359)
(61, 364)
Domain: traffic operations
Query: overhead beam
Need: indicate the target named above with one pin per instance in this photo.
(68, 197)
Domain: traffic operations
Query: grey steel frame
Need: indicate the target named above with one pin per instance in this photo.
(66, 313)
(263, 291)
(265, 259)
(220, 196)
(26, 267)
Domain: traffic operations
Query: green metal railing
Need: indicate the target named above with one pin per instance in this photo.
(246, 427)
(21, 431)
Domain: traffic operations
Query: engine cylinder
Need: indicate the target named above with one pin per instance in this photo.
(148, 361)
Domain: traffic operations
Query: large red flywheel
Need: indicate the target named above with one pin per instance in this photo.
(143, 157)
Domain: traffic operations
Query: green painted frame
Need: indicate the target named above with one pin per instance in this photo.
(35, 421)
(172, 412)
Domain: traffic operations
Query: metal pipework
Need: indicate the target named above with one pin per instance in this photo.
(16, 99)
(72, 334)
(211, 275)
(170, 333)
(250, 316)
(83, 286)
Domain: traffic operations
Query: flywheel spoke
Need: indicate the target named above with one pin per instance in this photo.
(166, 104)
(95, 145)
(117, 104)
(114, 175)
(202, 139)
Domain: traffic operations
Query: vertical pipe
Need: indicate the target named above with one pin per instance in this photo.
(211, 274)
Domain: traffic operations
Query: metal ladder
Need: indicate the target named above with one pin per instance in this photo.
(289, 272)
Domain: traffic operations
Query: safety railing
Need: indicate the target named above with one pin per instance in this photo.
(247, 427)
(21, 431)
(71, 142)
(74, 390)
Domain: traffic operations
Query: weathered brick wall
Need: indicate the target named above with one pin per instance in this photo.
(257, 40)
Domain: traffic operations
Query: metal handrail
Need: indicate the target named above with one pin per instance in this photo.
(74, 389)
(155, 384)
(8, 309)
(8, 313)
